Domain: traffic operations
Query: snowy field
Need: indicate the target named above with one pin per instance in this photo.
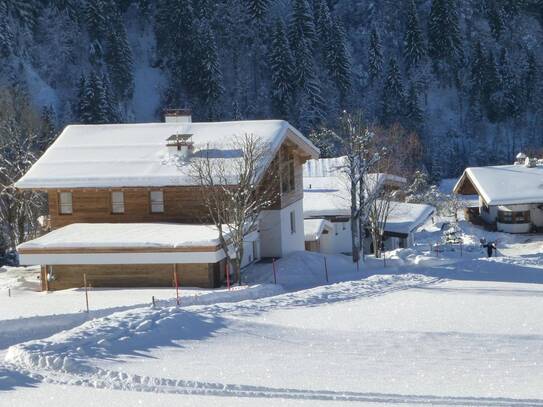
(458, 329)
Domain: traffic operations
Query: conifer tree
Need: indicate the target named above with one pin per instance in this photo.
(281, 64)
(208, 70)
(444, 41)
(6, 33)
(530, 77)
(375, 57)
(338, 60)
(414, 48)
(491, 88)
(323, 21)
(95, 18)
(496, 18)
(302, 23)
(477, 78)
(392, 100)
(258, 9)
(120, 62)
(414, 114)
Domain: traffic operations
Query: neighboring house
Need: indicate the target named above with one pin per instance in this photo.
(125, 211)
(510, 196)
(327, 209)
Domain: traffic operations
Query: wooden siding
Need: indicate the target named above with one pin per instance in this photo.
(133, 275)
(182, 204)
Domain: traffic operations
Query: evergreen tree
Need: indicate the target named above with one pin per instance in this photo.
(414, 48)
(444, 41)
(496, 18)
(323, 21)
(6, 33)
(491, 88)
(95, 18)
(209, 82)
(375, 57)
(258, 9)
(392, 100)
(477, 79)
(281, 63)
(530, 78)
(48, 129)
(338, 60)
(302, 23)
(120, 62)
(413, 112)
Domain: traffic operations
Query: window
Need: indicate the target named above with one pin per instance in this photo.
(117, 202)
(157, 201)
(514, 217)
(287, 171)
(292, 222)
(65, 203)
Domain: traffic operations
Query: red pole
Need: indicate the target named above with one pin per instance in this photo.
(325, 269)
(227, 276)
(274, 271)
(86, 291)
(176, 286)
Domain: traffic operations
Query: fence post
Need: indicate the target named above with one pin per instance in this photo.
(325, 268)
(9, 292)
(227, 270)
(153, 300)
(358, 265)
(86, 291)
(176, 285)
(461, 253)
(274, 271)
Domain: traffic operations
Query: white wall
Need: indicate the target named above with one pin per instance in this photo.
(292, 242)
(276, 238)
(342, 241)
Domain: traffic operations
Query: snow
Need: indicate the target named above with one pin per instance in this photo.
(330, 196)
(126, 235)
(507, 184)
(405, 217)
(124, 155)
(458, 329)
(314, 227)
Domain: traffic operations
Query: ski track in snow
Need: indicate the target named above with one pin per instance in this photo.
(64, 357)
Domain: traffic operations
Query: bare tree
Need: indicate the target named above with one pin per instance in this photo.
(235, 190)
(19, 209)
(356, 143)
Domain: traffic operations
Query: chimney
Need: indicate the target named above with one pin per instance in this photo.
(177, 116)
(180, 145)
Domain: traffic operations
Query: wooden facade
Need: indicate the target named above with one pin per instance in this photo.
(182, 204)
(132, 275)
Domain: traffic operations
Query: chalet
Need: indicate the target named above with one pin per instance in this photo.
(510, 197)
(125, 211)
(327, 209)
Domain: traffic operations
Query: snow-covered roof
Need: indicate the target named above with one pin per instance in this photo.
(406, 217)
(330, 196)
(135, 155)
(313, 228)
(505, 184)
(326, 167)
(125, 235)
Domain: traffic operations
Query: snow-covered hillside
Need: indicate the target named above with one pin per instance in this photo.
(453, 329)
(465, 75)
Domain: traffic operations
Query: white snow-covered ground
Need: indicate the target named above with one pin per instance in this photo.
(458, 329)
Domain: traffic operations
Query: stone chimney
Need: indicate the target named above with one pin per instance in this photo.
(178, 116)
